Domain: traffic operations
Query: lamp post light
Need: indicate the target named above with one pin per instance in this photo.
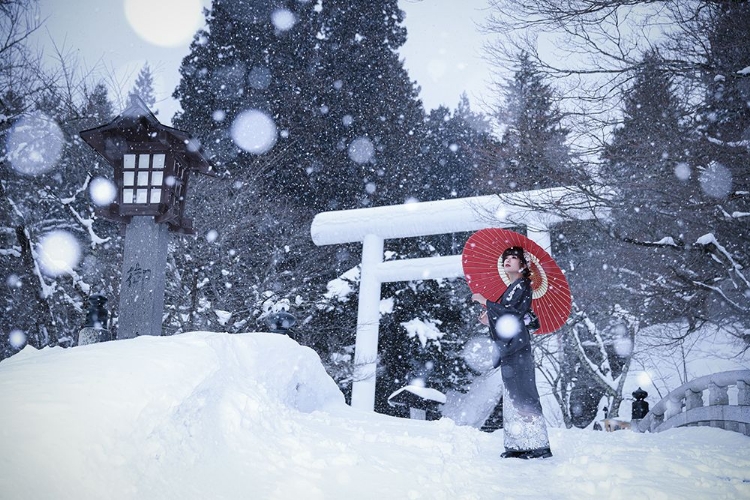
(280, 322)
(640, 405)
(151, 163)
(95, 329)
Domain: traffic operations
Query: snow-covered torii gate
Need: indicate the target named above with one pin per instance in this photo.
(372, 226)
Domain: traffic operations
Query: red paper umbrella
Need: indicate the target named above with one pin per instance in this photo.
(484, 273)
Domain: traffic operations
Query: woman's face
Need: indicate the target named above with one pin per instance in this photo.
(512, 264)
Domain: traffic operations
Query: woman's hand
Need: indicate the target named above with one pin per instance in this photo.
(478, 297)
(483, 318)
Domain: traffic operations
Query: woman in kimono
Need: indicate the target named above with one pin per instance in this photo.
(523, 423)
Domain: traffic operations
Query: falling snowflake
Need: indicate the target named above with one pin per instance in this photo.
(254, 131)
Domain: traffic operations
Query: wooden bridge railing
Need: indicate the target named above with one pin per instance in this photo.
(685, 405)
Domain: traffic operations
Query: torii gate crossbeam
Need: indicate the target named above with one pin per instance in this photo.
(372, 226)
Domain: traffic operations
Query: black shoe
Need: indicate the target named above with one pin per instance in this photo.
(512, 454)
(537, 453)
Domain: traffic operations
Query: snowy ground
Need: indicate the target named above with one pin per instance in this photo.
(255, 416)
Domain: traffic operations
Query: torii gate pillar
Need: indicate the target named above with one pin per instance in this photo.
(368, 322)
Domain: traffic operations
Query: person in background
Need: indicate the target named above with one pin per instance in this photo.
(523, 422)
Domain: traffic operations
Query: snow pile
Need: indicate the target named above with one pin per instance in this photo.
(129, 411)
(209, 415)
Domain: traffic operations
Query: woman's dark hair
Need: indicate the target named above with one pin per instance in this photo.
(518, 252)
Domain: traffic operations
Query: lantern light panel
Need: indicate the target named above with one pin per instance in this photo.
(143, 178)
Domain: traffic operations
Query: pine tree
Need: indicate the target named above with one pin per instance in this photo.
(645, 156)
(724, 120)
(433, 360)
(533, 153)
(256, 208)
(144, 88)
(371, 99)
(452, 151)
(346, 112)
(327, 81)
(97, 108)
(639, 165)
(721, 173)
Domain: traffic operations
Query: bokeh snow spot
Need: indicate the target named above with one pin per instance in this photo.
(283, 19)
(644, 378)
(361, 150)
(13, 281)
(716, 181)
(218, 115)
(164, 23)
(259, 78)
(516, 427)
(418, 382)
(59, 252)
(682, 171)
(102, 191)
(212, 235)
(480, 353)
(370, 187)
(254, 131)
(17, 338)
(193, 145)
(507, 326)
(623, 346)
(34, 144)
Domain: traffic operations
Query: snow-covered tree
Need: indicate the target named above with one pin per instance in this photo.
(330, 81)
(533, 153)
(452, 152)
(646, 154)
(55, 250)
(424, 327)
(654, 204)
(722, 171)
(683, 240)
(144, 88)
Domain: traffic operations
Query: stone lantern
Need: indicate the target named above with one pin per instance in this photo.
(640, 405)
(422, 403)
(151, 163)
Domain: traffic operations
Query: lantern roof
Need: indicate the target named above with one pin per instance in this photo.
(137, 126)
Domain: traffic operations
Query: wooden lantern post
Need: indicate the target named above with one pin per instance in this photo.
(152, 163)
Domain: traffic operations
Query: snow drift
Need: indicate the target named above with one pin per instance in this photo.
(219, 416)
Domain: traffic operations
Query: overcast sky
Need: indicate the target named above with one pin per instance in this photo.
(114, 38)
